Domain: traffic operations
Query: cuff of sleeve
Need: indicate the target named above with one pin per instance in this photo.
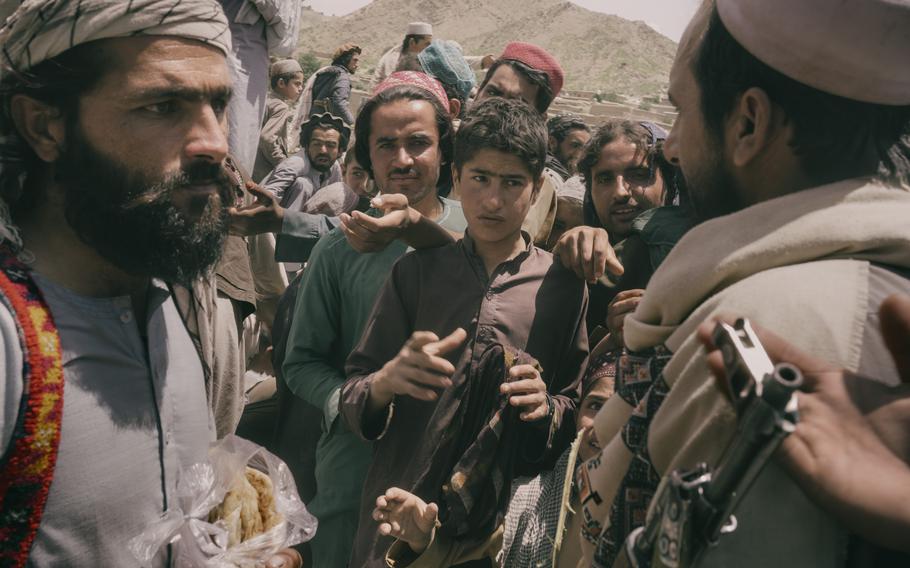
(370, 427)
(330, 409)
(400, 554)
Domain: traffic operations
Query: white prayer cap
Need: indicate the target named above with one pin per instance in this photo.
(856, 49)
(420, 29)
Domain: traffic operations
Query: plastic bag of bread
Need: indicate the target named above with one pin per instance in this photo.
(236, 509)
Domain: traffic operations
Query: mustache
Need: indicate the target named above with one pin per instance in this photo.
(198, 173)
(402, 172)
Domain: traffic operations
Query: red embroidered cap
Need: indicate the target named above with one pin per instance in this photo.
(415, 79)
(536, 58)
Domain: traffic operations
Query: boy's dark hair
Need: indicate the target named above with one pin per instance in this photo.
(325, 122)
(560, 126)
(636, 134)
(535, 76)
(287, 77)
(831, 135)
(506, 125)
(364, 119)
(59, 82)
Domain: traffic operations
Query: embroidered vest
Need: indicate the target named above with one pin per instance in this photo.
(27, 466)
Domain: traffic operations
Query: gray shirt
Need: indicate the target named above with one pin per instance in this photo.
(134, 413)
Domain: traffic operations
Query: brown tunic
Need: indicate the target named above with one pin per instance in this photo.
(530, 303)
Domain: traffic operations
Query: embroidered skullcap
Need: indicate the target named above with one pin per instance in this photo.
(39, 30)
(536, 58)
(419, 29)
(414, 79)
(657, 133)
(444, 60)
(856, 49)
(284, 67)
(326, 120)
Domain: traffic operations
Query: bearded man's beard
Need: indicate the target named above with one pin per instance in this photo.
(132, 220)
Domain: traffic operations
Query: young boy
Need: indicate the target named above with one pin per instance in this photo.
(454, 421)
(353, 192)
(287, 84)
(540, 522)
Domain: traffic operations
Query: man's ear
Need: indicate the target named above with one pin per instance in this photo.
(753, 126)
(456, 175)
(454, 108)
(40, 125)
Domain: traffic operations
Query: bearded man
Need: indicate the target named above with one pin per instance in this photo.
(114, 199)
(796, 154)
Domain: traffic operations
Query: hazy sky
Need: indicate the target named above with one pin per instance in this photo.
(669, 17)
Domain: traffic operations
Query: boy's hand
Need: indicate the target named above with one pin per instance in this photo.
(587, 252)
(407, 517)
(418, 371)
(371, 234)
(528, 391)
(265, 215)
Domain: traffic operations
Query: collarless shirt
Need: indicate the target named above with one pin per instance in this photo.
(134, 414)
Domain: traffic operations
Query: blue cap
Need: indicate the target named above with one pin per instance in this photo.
(443, 60)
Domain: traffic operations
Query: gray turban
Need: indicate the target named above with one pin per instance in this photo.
(38, 30)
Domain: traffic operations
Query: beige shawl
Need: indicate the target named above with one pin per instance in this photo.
(798, 265)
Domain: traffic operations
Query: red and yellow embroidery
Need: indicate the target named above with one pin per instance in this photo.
(27, 467)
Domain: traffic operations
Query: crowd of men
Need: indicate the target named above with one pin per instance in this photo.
(478, 333)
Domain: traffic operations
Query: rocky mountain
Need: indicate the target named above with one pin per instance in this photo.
(598, 51)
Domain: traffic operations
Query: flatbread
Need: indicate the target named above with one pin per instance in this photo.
(266, 493)
(239, 511)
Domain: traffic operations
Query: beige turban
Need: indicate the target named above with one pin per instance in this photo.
(856, 49)
(39, 30)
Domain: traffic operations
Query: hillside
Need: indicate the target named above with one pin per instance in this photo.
(598, 51)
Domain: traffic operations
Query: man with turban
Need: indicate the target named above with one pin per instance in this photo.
(113, 137)
(794, 147)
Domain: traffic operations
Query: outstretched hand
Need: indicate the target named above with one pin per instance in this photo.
(407, 517)
(373, 234)
(851, 430)
(264, 215)
(587, 252)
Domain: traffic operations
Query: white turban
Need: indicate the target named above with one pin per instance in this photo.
(39, 30)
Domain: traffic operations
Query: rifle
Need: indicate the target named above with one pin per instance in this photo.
(694, 507)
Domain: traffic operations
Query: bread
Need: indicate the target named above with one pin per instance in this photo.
(266, 493)
(248, 509)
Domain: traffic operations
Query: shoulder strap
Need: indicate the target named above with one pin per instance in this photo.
(27, 466)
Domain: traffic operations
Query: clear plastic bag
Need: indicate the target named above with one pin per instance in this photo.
(202, 487)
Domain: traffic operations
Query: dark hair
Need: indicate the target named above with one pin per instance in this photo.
(400, 92)
(408, 39)
(536, 77)
(832, 136)
(59, 82)
(636, 134)
(559, 127)
(506, 125)
(324, 122)
(286, 76)
(349, 157)
(345, 58)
